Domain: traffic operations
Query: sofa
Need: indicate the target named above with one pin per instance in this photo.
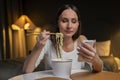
(13, 67)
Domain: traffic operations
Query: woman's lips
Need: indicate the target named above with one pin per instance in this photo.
(68, 31)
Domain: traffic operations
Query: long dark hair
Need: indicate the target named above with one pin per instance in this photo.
(64, 7)
(74, 8)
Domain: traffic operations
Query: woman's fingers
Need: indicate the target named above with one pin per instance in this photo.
(85, 57)
(88, 48)
(43, 36)
(86, 51)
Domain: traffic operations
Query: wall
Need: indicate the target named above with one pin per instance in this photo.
(96, 16)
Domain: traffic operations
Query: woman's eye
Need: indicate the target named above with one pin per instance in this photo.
(64, 20)
(74, 20)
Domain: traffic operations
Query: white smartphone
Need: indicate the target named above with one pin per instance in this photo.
(91, 42)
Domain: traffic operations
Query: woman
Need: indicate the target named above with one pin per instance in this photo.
(68, 22)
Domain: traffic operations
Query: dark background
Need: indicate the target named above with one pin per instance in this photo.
(100, 18)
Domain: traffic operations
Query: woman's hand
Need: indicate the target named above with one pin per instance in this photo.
(42, 38)
(87, 52)
(29, 64)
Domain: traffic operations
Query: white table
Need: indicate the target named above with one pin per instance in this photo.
(39, 74)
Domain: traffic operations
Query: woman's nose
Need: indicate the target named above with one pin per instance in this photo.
(69, 25)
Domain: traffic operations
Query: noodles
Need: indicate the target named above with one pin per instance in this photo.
(59, 44)
(57, 39)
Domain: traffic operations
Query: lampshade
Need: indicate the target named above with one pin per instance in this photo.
(23, 22)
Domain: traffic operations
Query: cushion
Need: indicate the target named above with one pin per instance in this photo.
(109, 63)
(103, 48)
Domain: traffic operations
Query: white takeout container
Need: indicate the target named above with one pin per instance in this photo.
(62, 67)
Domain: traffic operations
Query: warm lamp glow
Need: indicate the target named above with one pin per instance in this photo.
(36, 31)
(27, 26)
(23, 22)
(15, 27)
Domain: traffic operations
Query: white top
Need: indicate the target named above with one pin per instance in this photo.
(48, 52)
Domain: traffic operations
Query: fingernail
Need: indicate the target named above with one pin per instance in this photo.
(78, 47)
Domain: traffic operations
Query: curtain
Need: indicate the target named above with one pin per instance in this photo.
(13, 42)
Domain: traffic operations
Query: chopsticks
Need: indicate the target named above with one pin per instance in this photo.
(51, 33)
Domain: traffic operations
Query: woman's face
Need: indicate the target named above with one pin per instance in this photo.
(68, 22)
